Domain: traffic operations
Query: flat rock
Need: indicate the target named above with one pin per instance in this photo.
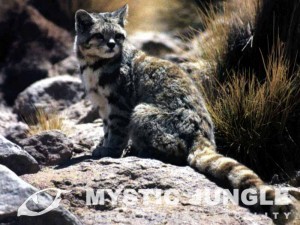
(49, 147)
(16, 158)
(12, 200)
(139, 174)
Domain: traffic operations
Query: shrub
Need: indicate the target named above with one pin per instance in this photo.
(253, 95)
(225, 35)
(251, 116)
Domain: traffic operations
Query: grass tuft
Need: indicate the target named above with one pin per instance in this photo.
(251, 116)
(44, 121)
(225, 28)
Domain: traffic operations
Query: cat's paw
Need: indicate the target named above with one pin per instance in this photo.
(101, 152)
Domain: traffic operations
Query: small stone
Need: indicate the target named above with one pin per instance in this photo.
(49, 147)
(16, 159)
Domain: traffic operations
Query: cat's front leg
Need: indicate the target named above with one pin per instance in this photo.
(115, 137)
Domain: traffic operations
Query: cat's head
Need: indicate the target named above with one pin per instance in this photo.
(100, 35)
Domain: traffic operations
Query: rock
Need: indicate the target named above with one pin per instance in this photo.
(60, 12)
(156, 44)
(6, 118)
(82, 112)
(66, 66)
(33, 45)
(87, 136)
(17, 132)
(10, 128)
(16, 158)
(90, 116)
(14, 192)
(9, 10)
(52, 93)
(49, 147)
(140, 174)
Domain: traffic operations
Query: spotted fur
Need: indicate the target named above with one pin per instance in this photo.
(151, 102)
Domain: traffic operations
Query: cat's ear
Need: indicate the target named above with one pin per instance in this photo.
(83, 20)
(122, 14)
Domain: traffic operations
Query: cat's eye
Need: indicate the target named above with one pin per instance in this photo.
(119, 36)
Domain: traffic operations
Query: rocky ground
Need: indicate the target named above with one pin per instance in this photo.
(39, 71)
(138, 174)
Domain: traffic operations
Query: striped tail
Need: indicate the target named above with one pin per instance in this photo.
(205, 159)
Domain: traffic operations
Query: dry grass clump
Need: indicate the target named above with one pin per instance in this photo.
(227, 29)
(42, 120)
(251, 116)
(253, 93)
(282, 19)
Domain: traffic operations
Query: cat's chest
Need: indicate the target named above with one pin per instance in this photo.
(97, 93)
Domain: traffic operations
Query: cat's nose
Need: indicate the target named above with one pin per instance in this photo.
(111, 44)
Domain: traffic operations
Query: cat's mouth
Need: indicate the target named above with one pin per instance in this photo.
(110, 51)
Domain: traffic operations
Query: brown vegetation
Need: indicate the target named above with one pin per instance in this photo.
(251, 116)
(45, 121)
(254, 95)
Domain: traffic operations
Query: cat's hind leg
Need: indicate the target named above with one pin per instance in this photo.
(153, 135)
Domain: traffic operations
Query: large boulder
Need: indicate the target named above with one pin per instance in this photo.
(9, 10)
(14, 192)
(137, 175)
(30, 46)
(16, 158)
(49, 147)
(52, 93)
(60, 12)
